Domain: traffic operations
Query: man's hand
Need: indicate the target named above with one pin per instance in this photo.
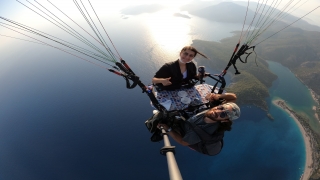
(176, 136)
(212, 97)
(228, 97)
(165, 127)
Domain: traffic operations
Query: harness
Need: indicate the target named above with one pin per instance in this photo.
(209, 143)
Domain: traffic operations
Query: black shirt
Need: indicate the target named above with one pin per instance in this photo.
(172, 69)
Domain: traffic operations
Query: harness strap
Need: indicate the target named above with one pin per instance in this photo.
(204, 136)
(135, 80)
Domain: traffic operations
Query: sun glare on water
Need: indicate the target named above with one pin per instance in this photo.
(169, 31)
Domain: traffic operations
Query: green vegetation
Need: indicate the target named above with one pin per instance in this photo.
(249, 90)
(294, 48)
(299, 51)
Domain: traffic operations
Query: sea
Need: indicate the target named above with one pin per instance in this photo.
(62, 117)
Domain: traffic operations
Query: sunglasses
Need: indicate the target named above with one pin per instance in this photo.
(223, 114)
(187, 54)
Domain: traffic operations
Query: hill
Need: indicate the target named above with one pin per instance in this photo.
(234, 12)
(299, 51)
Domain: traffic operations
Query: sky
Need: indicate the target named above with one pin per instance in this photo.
(14, 7)
(119, 4)
(18, 12)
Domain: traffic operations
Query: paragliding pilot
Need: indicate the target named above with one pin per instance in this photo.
(204, 131)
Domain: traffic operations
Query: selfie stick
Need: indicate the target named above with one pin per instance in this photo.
(169, 151)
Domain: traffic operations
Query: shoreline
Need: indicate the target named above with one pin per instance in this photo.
(315, 98)
(307, 140)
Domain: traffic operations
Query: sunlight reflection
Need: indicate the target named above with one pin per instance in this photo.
(169, 31)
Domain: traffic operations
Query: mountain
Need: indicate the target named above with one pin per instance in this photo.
(227, 12)
(299, 51)
(230, 12)
(303, 24)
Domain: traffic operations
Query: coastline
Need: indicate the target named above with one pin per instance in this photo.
(307, 140)
(315, 98)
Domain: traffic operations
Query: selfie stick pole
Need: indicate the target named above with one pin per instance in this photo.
(169, 151)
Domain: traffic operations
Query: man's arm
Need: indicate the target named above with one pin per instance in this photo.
(175, 136)
(229, 97)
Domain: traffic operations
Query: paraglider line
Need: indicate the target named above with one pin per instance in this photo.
(288, 25)
(104, 30)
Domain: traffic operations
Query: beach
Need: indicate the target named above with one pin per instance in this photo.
(307, 139)
(315, 98)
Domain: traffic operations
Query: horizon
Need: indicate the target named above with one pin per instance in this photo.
(116, 6)
(157, 19)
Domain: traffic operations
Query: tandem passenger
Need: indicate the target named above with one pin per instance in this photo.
(179, 73)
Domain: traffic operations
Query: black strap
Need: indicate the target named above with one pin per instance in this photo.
(204, 136)
(248, 54)
(134, 79)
